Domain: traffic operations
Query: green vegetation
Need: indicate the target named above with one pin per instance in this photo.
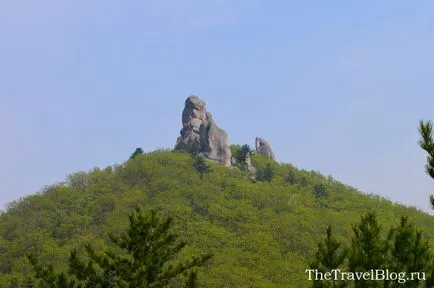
(138, 151)
(199, 163)
(320, 190)
(193, 148)
(149, 247)
(261, 234)
(329, 256)
(426, 142)
(402, 250)
(265, 174)
(242, 152)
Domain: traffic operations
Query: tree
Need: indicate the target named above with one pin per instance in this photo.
(367, 249)
(242, 153)
(137, 152)
(426, 142)
(265, 174)
(193, 148)
(407, 252)
(319, 190)
(291, 178)
(200, 165)
(148, 260)
(403, 251)
(330, 255)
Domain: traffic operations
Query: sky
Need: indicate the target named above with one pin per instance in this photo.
(334, 86)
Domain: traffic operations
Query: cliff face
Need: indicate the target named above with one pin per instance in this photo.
(200, 132)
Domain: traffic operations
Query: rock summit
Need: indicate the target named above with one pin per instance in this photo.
(200, 132)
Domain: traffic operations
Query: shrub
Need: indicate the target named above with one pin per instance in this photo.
(319, 190)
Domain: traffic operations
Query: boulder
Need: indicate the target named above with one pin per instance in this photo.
(248, 164)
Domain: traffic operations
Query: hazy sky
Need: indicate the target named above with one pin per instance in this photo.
(334, 86)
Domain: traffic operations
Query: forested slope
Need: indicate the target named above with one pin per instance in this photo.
(262, 234)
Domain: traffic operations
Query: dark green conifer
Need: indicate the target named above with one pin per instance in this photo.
(368, 249)
(330, 255)
(426, 142)
(407, 252)
(200, 165)
(137, 152)
(149, 250)
(242, 153)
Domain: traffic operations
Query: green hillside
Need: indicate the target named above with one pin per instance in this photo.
(262, 234)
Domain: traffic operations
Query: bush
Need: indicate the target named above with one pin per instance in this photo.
(200, 165)
(192, 148)
(265, 174)
(291, 178)
(319, 190)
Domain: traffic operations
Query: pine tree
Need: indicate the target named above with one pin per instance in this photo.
(241, 154)
(368, 249)
(200, 165)
(137, 152)
(330, 255)
(404, 250)
(426, 142)
(193, 148)
(149, 247)
(407, 252)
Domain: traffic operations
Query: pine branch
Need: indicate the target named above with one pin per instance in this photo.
(427, 143)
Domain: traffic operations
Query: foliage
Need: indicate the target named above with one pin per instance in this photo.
(193, 148)
(403, 250)
(407, 251)
(150, 248)
(242, 153)
(330, 255)
(320, 190)
(262, 234)
(426, 142)
(367, 248)
(265, 174)
(234, 148)
(199, 163)
(137, 152)
(291, 178)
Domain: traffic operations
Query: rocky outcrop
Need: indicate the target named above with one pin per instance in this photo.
(200, 133)
(264, 148)
(248, 164)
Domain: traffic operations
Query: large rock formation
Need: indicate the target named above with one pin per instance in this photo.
(264, 148)
(200, 133)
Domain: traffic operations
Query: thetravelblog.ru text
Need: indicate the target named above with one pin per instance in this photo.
(372, 275)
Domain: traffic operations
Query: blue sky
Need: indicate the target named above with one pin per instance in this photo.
(334, 86)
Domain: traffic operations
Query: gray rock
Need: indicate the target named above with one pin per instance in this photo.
(264, 148)
(200, 133)
(253, 179)
(248, 164)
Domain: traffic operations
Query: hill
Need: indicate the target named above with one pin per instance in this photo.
(262, 234)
